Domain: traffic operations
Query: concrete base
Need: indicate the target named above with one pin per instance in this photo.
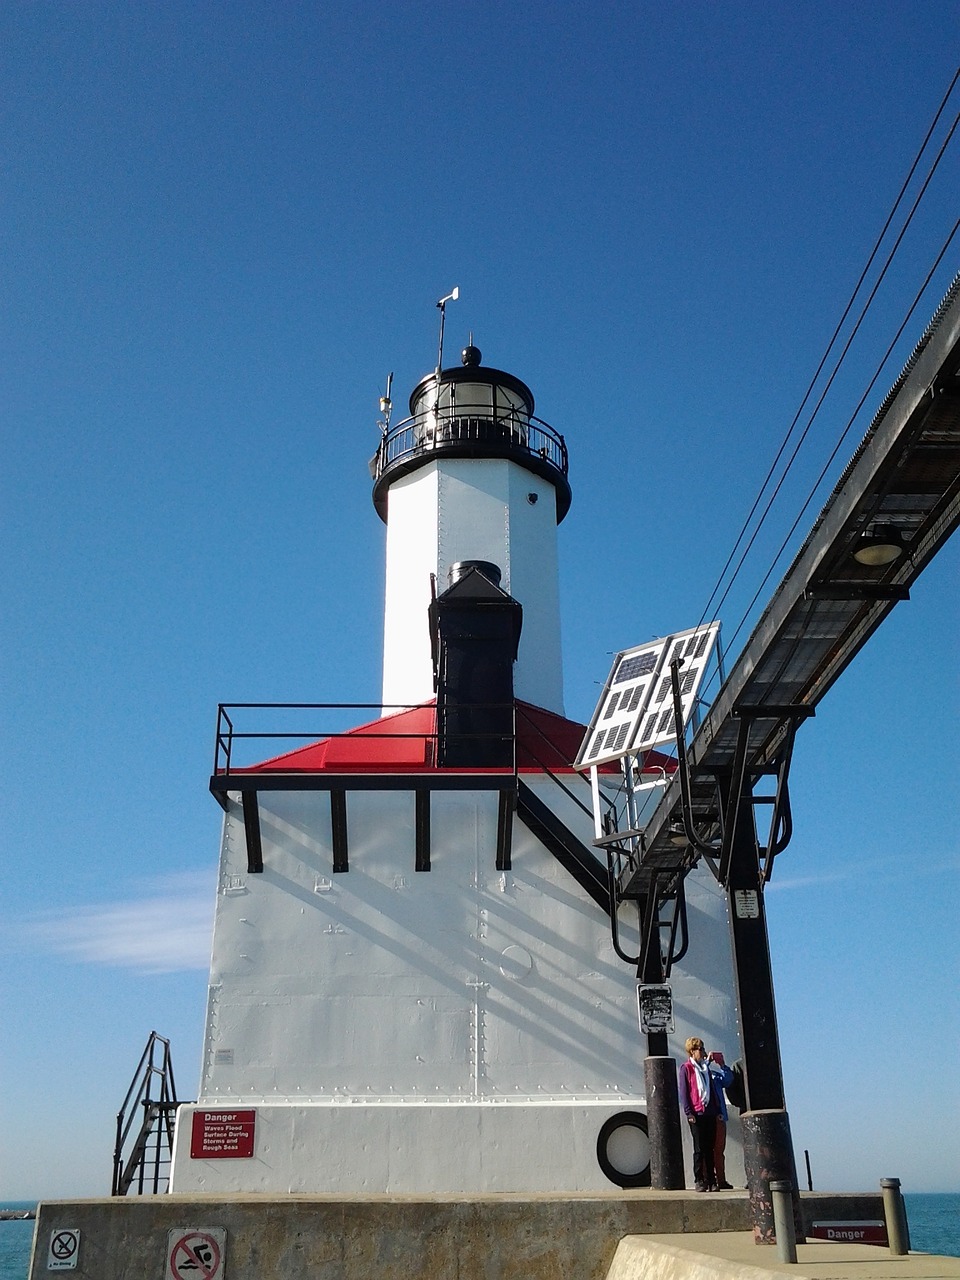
(398, 1238)
(736, 1256)
(350, 1150)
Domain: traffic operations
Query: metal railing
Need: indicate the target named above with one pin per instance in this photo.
(465, 425)
(229, 739)
(141, 1159)
(228, 736)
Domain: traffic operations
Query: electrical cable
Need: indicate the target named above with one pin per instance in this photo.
(829, 348)
(847, 428)
(842, 357)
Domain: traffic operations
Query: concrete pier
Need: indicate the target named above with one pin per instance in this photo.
(502, 1237)
(734, 1255)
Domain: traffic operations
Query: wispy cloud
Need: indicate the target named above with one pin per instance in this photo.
(167, 929)
(782, 885)
(878, 869)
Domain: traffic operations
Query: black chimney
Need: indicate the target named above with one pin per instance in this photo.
(475, 631)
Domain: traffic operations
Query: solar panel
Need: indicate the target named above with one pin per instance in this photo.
(635, 711)
(639, 665)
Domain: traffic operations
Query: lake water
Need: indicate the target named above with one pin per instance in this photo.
(934, 1228)
(15, 1241)
(934, 1222)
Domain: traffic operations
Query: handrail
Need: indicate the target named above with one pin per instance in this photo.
(545, 768)
(155, 1109)
(227, 735)
(445, 426)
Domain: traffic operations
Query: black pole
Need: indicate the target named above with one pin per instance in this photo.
(660, 1075)
(663, 1123)
(767, 1145)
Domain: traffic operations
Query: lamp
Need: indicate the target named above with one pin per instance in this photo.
(878, 546)
(677, 834)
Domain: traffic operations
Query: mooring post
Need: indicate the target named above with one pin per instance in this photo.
(781, 1193)
(895, 1213)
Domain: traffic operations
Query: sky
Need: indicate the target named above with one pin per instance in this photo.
(223, 226)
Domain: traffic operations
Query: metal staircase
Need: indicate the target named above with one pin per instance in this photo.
(142, 1156)
(581, 862)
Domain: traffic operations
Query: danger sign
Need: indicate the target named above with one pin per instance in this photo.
(869, 1232)
(195, 1254)
(222, 1135)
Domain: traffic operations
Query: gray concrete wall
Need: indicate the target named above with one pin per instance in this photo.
(389, 1238)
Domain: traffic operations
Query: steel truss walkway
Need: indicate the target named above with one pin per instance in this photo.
(902, 484)
(905, 475)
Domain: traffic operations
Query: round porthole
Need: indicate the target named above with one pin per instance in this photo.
(623, 1149)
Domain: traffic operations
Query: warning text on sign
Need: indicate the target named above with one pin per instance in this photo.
(222, 1135)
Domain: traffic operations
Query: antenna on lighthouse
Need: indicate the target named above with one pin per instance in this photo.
(442, 304)
(386, 407)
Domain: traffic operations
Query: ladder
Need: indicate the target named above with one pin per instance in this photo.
(142, 1153)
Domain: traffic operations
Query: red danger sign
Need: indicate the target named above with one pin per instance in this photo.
(868, 1232)
(222, 1135)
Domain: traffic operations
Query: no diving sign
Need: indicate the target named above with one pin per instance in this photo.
(195, 1253)
(64, 1249)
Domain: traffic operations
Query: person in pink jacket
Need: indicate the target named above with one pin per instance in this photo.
(700, 1101)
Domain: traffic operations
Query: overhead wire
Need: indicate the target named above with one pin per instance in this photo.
(830, 345)
(846, 431)
(835, 370)
(841, 358)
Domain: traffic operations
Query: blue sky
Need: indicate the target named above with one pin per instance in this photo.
(223, 226)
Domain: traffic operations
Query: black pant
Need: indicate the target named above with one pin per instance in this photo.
(704, 1131)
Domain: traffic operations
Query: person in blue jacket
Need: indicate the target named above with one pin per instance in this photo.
(722, 1076)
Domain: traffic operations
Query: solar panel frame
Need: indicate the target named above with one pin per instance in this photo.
(635, 711)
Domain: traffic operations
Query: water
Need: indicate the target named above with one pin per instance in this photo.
(934, 1222)
(15, 1241)
(934, 1228)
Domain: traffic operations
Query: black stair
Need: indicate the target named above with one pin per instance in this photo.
(141, 1158)
(574, 856)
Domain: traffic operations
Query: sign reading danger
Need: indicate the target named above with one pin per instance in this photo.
(222, 1135)
(195, 1253)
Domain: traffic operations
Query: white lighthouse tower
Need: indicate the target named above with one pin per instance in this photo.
(471, 475)
(414, 986)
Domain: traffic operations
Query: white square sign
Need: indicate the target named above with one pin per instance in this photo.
(64, 1249)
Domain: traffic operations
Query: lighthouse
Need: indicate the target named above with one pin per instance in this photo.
(416, 986)
(471, 475)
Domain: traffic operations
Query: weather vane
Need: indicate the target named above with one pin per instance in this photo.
(442, 304)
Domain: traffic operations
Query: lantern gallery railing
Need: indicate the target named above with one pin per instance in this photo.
(467, 424)
(469, 427)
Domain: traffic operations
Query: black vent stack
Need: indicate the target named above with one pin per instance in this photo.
(475, 631)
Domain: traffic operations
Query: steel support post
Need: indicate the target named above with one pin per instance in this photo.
(660, 1075)
(663, 1123)
(767, 1146)
(768, 1157)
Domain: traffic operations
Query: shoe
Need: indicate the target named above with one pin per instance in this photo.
(724, 1186)
(699, 1186)
(713, 1187)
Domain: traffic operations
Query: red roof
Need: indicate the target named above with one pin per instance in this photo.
(404, 743)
